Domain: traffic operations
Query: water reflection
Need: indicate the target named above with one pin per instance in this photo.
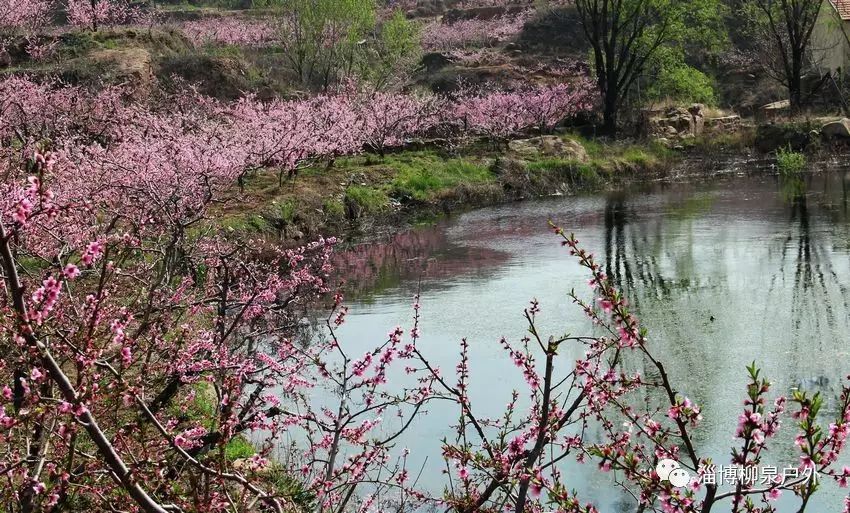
(373, 267)
(745, 268)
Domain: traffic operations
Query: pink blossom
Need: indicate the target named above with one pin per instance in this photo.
(71, 271)
(126, 356)
(93, 251)
(231, 30)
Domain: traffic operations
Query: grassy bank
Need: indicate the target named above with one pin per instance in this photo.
(367, 192)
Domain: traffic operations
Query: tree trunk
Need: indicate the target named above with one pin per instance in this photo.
(795, 84)
(609, 114)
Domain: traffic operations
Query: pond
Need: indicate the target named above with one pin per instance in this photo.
(724, 272)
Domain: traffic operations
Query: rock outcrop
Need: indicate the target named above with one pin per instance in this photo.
(675, 123)
(723, 124)
(839, 129)
(774, 109)
(548, 146)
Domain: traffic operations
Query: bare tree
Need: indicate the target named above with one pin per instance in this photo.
(623, 35)
(785, 27)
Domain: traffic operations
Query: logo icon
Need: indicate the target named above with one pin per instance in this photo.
(669, 470)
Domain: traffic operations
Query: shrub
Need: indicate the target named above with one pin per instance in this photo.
(684, 84)
(790, 162)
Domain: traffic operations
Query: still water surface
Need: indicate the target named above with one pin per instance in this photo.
(741, 269)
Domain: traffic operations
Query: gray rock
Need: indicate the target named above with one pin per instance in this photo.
(836, 129)
(675, 123)
(550, 146)
(723, 121)
(776, 106)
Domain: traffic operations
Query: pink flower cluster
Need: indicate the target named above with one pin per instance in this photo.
(24, 18)
(16, 15)
(231, 30)
(472, 33)
(502, 114)
(94, 14)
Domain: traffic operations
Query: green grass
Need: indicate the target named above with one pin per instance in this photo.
(225, 51)
(593, 147)
(391, 160)
(333, 208)
(247, 222)
(638, 157)
(325, 195)
(291, 487)
(368, 199)
(573, 171)
(239, 447)
(422, 183)
(286, 211)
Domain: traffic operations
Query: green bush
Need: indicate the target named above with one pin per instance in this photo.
(286, 211)
(394, 53)
(683, 83)
(790, 162)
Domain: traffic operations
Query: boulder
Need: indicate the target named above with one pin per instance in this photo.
(774, 109)
(780, 105)
(435, 61)
(723, 123)
(251, 464)
(677, 122)
(549, 146)
(836, 129)
(696, 109)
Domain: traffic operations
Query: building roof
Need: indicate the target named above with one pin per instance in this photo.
(843, 8)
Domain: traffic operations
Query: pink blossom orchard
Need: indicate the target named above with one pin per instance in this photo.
(473, 33)
(23, 18)
(232, 31)
(99, 381)
(126, 311)
(503, 114)
(95, 14)
(250, 134)
(388, 118)
(134, 310)
(16, 15)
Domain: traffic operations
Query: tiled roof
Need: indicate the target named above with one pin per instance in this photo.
(843, 8)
